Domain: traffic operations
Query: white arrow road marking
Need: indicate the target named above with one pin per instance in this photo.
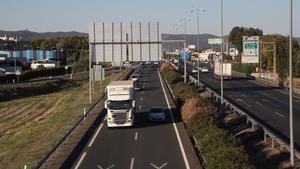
(105, 168)
(158, 167)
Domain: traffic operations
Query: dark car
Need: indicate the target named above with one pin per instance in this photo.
(138, 86)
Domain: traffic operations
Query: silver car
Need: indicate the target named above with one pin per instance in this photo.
(157, 114)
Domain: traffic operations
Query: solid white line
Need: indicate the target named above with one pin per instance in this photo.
(80, 160)
(243, 95)
(279, 114)
(131, 163)
(258, 103)
(136, 136)
(186, 162)
(91, 143)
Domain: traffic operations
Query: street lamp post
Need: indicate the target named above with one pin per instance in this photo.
(292, 159)
(198, 38)
(221, 54)
(184, 49)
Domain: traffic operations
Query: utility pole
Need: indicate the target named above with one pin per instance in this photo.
(222, 85)
(292, 158)
(198, 38)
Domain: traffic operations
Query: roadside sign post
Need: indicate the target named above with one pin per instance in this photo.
(66, 67)
(18, 73)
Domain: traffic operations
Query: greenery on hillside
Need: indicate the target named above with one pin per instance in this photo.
(282, 50)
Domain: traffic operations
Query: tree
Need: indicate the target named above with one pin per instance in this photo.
(237, 33)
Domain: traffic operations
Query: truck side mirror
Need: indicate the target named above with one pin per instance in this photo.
(133, 103)
(105, 104)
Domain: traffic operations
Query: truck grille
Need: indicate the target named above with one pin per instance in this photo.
(120, 118)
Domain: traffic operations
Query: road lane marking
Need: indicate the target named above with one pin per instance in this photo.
(240, 100)
(92, 141)
(105, 117)
(80, 160)
(141, 98)
(105, 168)
(258, 103)
(132, 163)
(186, 162)
(267, 101)
(136, 136)
(140, 107)
(279, 114)
(243, 95)
(142, 92)
(158, 167)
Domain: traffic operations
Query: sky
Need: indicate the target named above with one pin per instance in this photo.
(272, 16)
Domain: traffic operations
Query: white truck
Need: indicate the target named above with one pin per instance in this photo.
(120, 104)
(226, 70)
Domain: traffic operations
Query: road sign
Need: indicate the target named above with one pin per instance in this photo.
(214, 41)
(250, 49)
(118, 42)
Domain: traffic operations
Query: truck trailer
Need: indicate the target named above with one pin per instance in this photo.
(120, 104)
(226, 70)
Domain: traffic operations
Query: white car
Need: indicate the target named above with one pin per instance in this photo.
(195, 70)
(157, 114)
(204, 70)
(134, 77)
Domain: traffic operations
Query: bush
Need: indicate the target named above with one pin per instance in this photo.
(243, 68)
(202, 118)
(42, 72)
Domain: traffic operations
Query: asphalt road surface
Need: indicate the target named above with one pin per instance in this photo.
(147, 145)
(269, 105)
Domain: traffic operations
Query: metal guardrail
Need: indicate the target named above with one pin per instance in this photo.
(283, 142)
(47, 157)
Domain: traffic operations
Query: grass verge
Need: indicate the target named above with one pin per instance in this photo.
(31, 126)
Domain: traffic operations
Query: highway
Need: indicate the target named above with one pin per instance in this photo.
(269, 105)
(147, 145)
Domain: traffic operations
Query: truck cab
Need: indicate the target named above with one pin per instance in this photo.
(120, 104)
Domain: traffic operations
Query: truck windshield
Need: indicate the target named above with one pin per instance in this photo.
(117, 105)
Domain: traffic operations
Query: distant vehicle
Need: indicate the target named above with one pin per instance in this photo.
(195, 70)
(137, 86)
(204, 69)
(120, 104)
(226, 70)
(134, 77)
(152, 67)
(38, 64)
(156, 114)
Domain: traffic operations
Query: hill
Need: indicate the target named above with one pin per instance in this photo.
(191, 39)
(29, 35)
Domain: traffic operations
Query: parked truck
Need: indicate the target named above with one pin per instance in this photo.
(120, 104)
(226, 70)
